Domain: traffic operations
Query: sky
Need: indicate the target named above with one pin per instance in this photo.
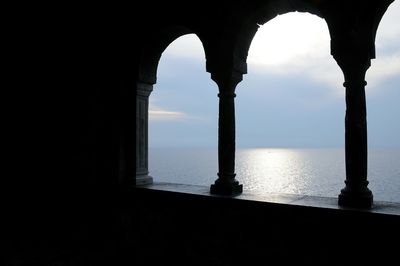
(292, 96)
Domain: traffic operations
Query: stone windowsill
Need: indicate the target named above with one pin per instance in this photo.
(379, 207)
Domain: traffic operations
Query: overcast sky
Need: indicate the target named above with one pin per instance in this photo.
(291, 97)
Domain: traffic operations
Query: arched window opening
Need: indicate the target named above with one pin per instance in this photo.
(183, 111)
(290, 110)
(383, 97)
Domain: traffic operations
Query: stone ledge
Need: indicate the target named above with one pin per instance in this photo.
(379, 207)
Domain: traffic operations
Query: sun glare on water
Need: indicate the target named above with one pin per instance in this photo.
(279, 166)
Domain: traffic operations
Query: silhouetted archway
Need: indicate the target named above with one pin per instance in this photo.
(182, 110)
(291, 98)
(383, 108)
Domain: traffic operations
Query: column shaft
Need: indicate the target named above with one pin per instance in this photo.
(356, 133)
(226, 184)
(143, 91)
(356, 192)
(226, 136)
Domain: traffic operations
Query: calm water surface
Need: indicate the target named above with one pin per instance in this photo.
(317, 172)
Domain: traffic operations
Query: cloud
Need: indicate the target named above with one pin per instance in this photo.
(387, 62)
(296, 44)
(165, 115)
(288, 37)
(321, 70)
(299, 44)
(389, 27)
(383, 68)
(157, 113)
(289, 97)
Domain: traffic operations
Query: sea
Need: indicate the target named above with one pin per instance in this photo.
(314, 172)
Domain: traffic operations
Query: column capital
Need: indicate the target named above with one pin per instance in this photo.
(143, 89)
(227, 81)
(354, 66)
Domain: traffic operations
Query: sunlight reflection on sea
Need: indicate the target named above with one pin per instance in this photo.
(317, 172)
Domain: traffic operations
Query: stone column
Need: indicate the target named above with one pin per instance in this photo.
(143, 91)
(226, 184)
(356, 192)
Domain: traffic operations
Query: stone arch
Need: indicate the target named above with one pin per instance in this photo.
(352, 29)
(349, 30)
(155, 46)
(148, 60)
(262, 14)
(278, 54)
(226, 34)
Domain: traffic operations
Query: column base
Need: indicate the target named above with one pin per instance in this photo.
(226, 188)
(142, 180)
(357, 199)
